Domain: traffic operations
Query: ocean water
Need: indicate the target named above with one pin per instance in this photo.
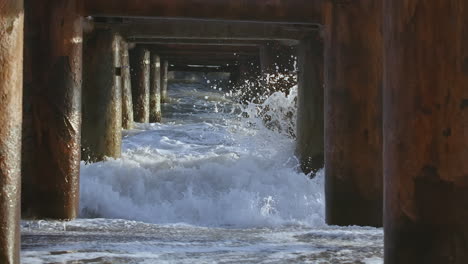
(215, 182)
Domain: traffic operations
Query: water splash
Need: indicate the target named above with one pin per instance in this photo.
(222, 166)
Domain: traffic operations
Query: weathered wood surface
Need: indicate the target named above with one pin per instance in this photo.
(426, 131)
(164, 73)
(290, 11)
(52, 109)
(200, 49)
(353, 112)
(102, 97)
(140, 64)
(202, 68)
(205, 42)
(155, 91)
(127, 101)
(11, 94)
(216, 30)
(310, 116)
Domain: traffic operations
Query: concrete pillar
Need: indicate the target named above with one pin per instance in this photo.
(52, 109)
(140, 63)
(164, 72)
(102, 97)
(310, 116)
(127, 103)
(353, 115)
(426, 131)
(11, 94)
(155, 93)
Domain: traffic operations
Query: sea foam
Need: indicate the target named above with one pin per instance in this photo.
(216, 168)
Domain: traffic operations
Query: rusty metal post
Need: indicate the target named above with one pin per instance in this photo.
(310, 116)
(426, 131)
(155, 93)
(127, 103)
(52, 109)
(140, 63)
(353, 115)
(11, 94)
(164, 72)
(102, 97)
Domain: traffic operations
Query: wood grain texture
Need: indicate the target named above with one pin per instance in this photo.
(426, 131)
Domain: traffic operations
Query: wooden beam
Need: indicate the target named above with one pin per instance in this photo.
(209, 56)
(290, 11)
(207, 42)
(204, 60)
(213, 54)
(202, 68)
(215, 30)
(193, 48)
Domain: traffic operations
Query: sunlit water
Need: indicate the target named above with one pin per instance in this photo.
(211, 184)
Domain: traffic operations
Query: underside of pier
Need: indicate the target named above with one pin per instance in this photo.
(382, 101)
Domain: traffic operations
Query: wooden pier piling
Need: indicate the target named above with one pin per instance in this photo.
(426, 131)
(127, 102)
(52, 109)
(155, 92)
(353, 113)
(11, 94)
(164, 72)
(310, 116)
(140, 63)
(102, 97)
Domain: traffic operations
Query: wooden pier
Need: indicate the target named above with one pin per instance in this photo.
(382, 101)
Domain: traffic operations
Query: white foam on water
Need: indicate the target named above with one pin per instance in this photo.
(123, 241)
(373, 260)
(215, 183)
(225, 171)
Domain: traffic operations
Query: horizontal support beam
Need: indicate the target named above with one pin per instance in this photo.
(209, 59)
(207, 55)
(208, 42)
(284, 11)
(200, 49)
(208, 30)
(204, 61)
(202, 68)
